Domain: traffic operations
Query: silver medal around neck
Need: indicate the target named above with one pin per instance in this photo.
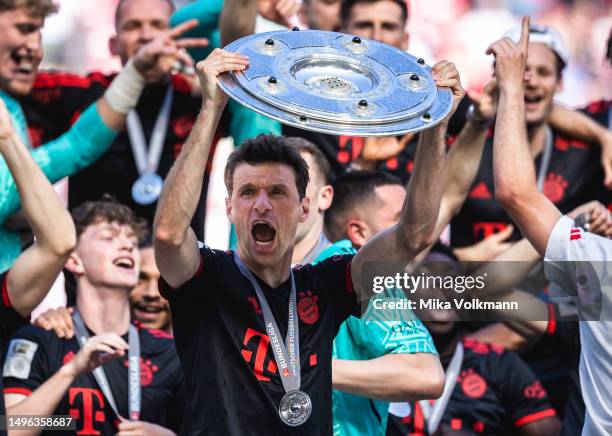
(147, 189)
(336, 83)
(295, 408)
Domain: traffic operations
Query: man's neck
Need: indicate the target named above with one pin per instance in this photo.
(303, 247)
(447, 342)
(536, 134)
(104, 310)
(274, 275)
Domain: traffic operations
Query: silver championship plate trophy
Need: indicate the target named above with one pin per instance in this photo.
(336, 83)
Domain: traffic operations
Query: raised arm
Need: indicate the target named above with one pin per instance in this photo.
(95, 130)
(514, 173)
(415, 230)
(36, 269)
(176, 246)
(238, 16)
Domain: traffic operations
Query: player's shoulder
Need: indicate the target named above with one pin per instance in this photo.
(598, 106)
(155, 341)
(31, 333)
(484, 350)
(65, 79)
(181, 84)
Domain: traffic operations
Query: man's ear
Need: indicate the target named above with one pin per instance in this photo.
(326, 196)
(358, 232)
(228, 209)
(74, 264)
(406, 41)
(305, 205)
(113, 45)
(560, 84)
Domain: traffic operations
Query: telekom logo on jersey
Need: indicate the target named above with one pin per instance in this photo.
(256, 354)
(91, 410)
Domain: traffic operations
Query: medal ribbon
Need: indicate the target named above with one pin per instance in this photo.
(433, 414)
(148, 163)
(546, 155)
(287, 358)
(134, 394)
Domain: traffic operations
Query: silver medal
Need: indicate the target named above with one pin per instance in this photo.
(295, 408)
(147, 188)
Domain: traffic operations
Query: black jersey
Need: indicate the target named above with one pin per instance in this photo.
(573, 178)
(601, 112)
(495, 393)
(232, 379)
(35, 355)
(57, 100)
(10, 322)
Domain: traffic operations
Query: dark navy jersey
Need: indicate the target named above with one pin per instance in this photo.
(495, 394)
(34, 355)
(233, 383)
(10, 322)
(573, 178)
(601, 111)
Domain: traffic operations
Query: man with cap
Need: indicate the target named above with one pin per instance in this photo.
(568, 170)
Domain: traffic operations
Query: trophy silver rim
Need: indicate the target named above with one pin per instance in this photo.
(394, 105)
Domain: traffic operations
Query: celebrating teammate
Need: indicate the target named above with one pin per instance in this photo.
(575, 259)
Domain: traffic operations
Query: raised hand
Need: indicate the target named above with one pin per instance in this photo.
(485, 102)
(445, 74)
(208, 70)
(511, 58)
(279, 11)
(159, 56)
(97, 351)
(599, 218)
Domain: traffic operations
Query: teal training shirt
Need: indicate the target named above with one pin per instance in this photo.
(375, 334)
(83, 144)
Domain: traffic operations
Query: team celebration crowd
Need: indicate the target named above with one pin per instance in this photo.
(275, 333)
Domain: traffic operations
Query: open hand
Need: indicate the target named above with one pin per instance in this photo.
(158, 57)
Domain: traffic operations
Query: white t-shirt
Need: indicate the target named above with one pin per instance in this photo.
(579, 260)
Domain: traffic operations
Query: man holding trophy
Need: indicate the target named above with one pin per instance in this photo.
(249, 306)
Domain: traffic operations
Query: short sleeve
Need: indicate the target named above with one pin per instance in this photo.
(333, 275)
(26, 366)
(11, 320)
(523, 396)
(577, 261)
(395, 330)
(205, 278)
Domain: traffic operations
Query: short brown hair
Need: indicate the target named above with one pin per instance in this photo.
(268, 149)
(108, 209)
(347, 6)
(37, 8)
